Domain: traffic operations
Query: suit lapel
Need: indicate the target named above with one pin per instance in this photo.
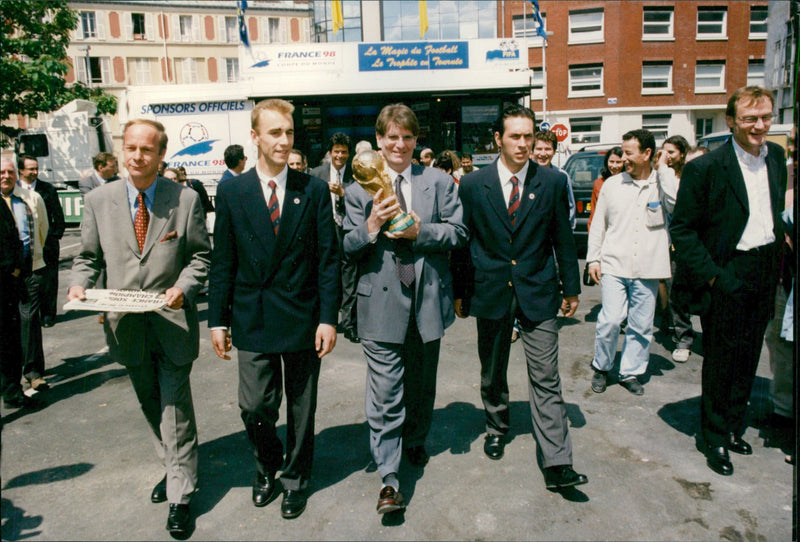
(774, 166)
(422, 199)
(733, 173)
(294, 204)
(164, 204)
(494, 195)
(254, 207)
(119, 197)
(529, 192)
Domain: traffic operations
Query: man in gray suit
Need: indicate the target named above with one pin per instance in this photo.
(163, 248)
(105, 171)
(405, 296)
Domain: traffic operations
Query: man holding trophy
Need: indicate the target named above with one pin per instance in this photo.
(402, 220)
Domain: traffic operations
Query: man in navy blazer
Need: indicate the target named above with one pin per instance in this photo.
(520, 249)
(274, 281)
(405, 296)
(727, 233)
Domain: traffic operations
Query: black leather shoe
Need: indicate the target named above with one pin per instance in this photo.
(264, 489)
(417, 456)
(718, 460)
(389, 500)
(494, 446)
(738, 445)
(159, 493)
(22, 401)
(294, 503)
(178, 520)
(562, 476)
(48, 321)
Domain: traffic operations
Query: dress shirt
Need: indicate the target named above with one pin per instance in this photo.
(133, 193)
(758, 231)
(405, 186)
(280, 186)
(31, 186)
(20, 211)
(620, 239)
(22, 197)
(505, 179)
(336, 176)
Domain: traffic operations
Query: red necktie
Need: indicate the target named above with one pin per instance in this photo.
(513, 200)
(141, 221)
(273, 208)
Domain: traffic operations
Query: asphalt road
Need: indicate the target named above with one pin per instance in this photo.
(82, 467)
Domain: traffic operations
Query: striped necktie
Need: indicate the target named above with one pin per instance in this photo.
(513, 200)
(273, 208)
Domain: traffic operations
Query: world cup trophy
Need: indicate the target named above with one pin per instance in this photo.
(369, 170)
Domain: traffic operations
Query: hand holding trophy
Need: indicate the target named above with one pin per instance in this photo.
(369, 170)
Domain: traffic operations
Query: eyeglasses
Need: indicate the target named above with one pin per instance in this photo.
(766, 119)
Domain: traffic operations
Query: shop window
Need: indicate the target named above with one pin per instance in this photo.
(657, 24)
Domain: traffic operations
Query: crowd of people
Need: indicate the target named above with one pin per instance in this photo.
(299, 256)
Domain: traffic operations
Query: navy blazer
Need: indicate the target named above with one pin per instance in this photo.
(505, 259)
(274, 291)
(710, 214)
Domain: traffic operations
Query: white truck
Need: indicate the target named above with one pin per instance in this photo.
(65, 147)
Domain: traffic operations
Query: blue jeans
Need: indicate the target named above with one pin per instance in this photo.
(636, 299)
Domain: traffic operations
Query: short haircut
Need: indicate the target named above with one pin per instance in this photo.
(162, 143)
(466, 155)
(102, 158)
(547, 136)
(748, 94)
(398, 114)
(299, 153)
(615, 151)
(444, 161)
(339, 138)
(645, 139)
(511, 111)
(174, 170)
(233, 155)
(680, 143)
(21, 160)
(271, 104)
(426, 150)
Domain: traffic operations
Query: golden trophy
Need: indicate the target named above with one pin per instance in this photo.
(369, 170)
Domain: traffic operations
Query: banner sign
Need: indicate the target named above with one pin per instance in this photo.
(413, 55)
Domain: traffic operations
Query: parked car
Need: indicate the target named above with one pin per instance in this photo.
(584, 167)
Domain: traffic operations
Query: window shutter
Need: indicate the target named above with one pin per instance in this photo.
(196, 28)
(100, 17)
(105, 70)
(176, 27)
(222, 34)
(128, 18)
(80, 69)
(150, 28)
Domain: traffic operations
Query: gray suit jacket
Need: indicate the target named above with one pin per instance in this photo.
(176, 253)
(383, 307)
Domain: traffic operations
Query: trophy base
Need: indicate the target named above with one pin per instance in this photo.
(400, 222)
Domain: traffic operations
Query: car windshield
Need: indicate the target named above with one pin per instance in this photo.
(583, 168)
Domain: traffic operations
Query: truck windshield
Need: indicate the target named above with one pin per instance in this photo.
(33, 145)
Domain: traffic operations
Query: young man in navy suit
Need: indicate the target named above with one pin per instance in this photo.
(274, 282)
(521, 254)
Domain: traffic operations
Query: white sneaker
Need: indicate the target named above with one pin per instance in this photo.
(681, 355)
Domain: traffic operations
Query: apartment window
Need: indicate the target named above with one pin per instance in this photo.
(703, 127)
(657, 24)
(232, 70)
(586, 80)
(277, 32)
(712, 23)
(585, 130)
(90, 26)
(231, 30)
(758, 22)
(657, 77)
(139, 30)
(93, 70)
(186, 69)
(586, 26)
(755, 73)
(658, 125)
(186, 27)
(709, 76)
(140, 71)
(537, 84)
(528, 27)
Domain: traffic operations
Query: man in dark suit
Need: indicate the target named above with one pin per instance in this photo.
(29, 173)
(275, 282)
(339, 175)
(235, 161)
(149, 234)
(727, 233)
(405, 295)
(520, 247)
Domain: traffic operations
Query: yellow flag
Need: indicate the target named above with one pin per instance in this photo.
(337, 16)
(423, 18)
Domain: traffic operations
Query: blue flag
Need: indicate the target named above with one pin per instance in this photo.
(241, 6)
(538, 18)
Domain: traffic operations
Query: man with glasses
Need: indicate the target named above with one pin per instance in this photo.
(727, 234)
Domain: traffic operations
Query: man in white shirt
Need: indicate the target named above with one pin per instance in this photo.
(727, 234)
(628, 254)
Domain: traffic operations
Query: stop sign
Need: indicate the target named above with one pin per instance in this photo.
(561, 132)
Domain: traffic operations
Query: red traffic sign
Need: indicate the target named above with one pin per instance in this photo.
(561, 132)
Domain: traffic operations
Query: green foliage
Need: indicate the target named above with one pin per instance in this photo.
(33, 60)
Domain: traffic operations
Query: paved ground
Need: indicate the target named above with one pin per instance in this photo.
(82, 467)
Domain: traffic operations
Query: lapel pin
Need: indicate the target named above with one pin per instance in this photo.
(296, 201)
(531, 196)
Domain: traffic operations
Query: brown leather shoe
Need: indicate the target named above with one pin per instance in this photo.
(390, 500)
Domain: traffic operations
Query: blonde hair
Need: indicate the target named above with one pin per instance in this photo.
(271, 104)
(162, 143)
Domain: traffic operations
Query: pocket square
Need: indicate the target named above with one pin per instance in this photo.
(170, 235)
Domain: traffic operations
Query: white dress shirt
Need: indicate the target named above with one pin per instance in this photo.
(505, 180)
(758, 231)
(280, 188)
